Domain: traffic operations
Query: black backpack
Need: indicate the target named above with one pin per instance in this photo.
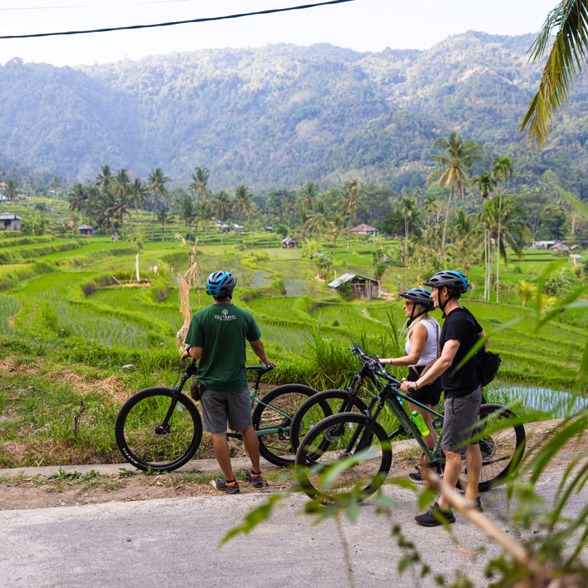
(487, 364)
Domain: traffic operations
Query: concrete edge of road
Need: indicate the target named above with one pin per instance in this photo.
(202, 465)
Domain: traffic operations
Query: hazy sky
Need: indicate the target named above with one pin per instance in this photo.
(363, 25)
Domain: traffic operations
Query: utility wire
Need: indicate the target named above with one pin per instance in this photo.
(171, 24)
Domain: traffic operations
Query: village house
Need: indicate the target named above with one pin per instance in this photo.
(361, 286)
(364, 230)
(9, 221)
(86, 230)
(288, 243)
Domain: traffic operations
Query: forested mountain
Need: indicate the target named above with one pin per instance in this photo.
(284, 115)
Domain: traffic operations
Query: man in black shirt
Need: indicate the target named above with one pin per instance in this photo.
(462, 388)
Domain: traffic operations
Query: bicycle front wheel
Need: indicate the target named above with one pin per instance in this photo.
(272, 419)
(157, 430)
(502, 444)
(318, 407)
(345, 435)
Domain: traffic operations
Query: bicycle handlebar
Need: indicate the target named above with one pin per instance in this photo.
(374, 364)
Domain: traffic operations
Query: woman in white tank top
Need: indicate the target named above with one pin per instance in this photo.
(422, 347)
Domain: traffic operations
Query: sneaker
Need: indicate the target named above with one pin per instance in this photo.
(435, 516)
(256, 480)
(228, 487)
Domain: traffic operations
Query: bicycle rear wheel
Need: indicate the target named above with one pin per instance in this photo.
(157, 431)
(318, 407)
(502, 445)
(340, 436)
(272, 418)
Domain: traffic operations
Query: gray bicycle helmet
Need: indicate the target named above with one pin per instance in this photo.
(220, 284)
(456, 281)
(419, 296)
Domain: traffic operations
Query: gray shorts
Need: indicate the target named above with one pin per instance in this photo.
(460, 421)
(218, 408)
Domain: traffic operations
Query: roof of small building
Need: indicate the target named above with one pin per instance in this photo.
(85, 227)
(363, 228)
(9, 216)
(348, 278)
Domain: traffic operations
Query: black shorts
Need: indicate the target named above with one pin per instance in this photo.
(430, 394)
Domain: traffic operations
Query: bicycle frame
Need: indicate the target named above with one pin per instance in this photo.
(192, 370)
(389, 394)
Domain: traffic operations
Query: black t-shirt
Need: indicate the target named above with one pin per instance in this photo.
(461, 325)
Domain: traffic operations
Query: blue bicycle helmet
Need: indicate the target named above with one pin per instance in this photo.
(456, 281)
(220, 284)
(419, 296)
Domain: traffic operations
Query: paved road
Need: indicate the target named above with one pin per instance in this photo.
(173, 542)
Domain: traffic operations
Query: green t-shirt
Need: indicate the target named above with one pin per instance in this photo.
(222, 331)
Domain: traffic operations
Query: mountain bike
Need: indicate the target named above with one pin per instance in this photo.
(159, 429)
(362, 438)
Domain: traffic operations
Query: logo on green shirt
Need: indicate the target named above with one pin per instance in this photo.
(225, 316)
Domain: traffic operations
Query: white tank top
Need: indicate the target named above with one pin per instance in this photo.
(430, 348)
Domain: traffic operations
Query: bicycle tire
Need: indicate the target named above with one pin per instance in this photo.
(148, 449)
(318, 407)
(328, 442)
(275, 411)
(502, 448)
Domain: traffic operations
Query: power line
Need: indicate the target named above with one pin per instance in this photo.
(174, 23)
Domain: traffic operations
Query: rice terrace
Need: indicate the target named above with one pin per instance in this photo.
(87, 321)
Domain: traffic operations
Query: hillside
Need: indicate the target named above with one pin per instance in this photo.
(284, 115)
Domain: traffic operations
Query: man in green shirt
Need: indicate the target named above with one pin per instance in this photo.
(217, 336)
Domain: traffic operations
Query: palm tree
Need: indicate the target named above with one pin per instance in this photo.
(408, 208)
(350, 201)
(486, 184)
(221, 204)
(568, 52)
(138, 192)
(156, 182)
(163, 218)
(104, 178)
(242, 203)
(452, 172)
(505, 219)
(502, 168)
(199, 183)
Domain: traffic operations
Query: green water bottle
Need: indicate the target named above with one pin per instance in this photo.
(419, 421)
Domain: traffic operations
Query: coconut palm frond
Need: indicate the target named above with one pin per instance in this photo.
(567, 57)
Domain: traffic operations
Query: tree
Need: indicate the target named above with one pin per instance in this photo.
(104, 178)
(504, 219)
(221, 204)
(156, 182)
(350, 201)
(567, 55)
(11, 190)
(408, 208)
(243, 204)
(199, 184)
(452, 170)
(163, 218)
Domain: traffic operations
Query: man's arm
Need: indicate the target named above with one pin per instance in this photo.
(193, 352)
(259, 350)
(443, 363)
